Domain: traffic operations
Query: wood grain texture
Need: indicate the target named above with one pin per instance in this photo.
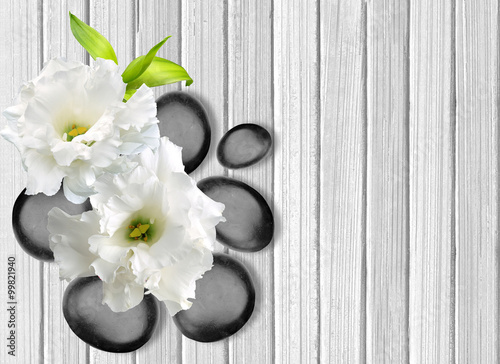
(20, 59)
(156, 20)
(60, 343)
(432, 121)
(116, 23)
(387, 182)
(343, 176)
(249, 54)
(203, 37)
(296, 205)
(477, 134)
(384, 179)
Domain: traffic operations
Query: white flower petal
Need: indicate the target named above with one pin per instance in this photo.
(106, 188)
(166, 159)
(172, 252)
(77, 186)
(55, 65)
(65, 153)
(110, 248)
(136, 140)
(70, 95)
(139, 111)
(44, 175)
(175, 284)
(105, 85)
(105, 270)
(123, 293)
(138, 123)
(69, 242)
(170, 249)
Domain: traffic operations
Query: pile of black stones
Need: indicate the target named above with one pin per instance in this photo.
(225, 295)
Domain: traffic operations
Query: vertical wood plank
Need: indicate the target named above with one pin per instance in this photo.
(156, 20)
(387, 182)
(20, 61)
(203, 37)
(296, 108)
(477, 134)
(343, 176)
(61, 345)
(431, 182)
(250, 101)
(115, 21)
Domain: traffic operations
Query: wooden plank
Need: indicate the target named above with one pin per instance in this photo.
(156, 20)
(296, 124)
(116, 22)
(250, 101)
(203, 27)
(20, 62)
(387, 182)
(343, 178)
(61, 345)
(477, 133)
(431, 182)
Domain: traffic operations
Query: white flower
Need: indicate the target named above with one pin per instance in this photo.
(70, 122)
(150, 228)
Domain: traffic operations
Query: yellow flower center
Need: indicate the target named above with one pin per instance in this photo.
(75, 131)
(139, 232)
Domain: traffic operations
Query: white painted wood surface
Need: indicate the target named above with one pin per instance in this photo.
(432, 128)
(343, 182)
(383, 181)
(476, 204)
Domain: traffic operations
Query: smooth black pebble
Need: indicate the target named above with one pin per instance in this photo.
(30, 217)
(249, 225)
(225, 299)
(97, 325)
(184, 121)
(244, 145)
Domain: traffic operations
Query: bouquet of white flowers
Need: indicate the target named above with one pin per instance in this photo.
(126, 223)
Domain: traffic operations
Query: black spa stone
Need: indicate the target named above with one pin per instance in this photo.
(95, 323)
(184, 121)
(225, 299)
(243, 146)
(249, 225)
(29, 221)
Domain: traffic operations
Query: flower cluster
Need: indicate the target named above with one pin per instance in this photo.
(95, 131)
(150, 228)
(70, 124)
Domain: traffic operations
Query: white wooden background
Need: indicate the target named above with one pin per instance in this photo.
(384, 178)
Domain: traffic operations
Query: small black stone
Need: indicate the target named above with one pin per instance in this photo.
(225, 299)
(244, 145)
(97, 325)
(30, 217)
(249, 225)
(184, 121)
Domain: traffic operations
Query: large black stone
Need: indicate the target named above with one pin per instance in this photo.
(249, 224)
(225, 299)
(98, 326)
(244, 145)
(30, 217)
(184, 121)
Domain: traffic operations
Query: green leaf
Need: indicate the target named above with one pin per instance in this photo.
(140, 64)
(91, 40)
(161, 72)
